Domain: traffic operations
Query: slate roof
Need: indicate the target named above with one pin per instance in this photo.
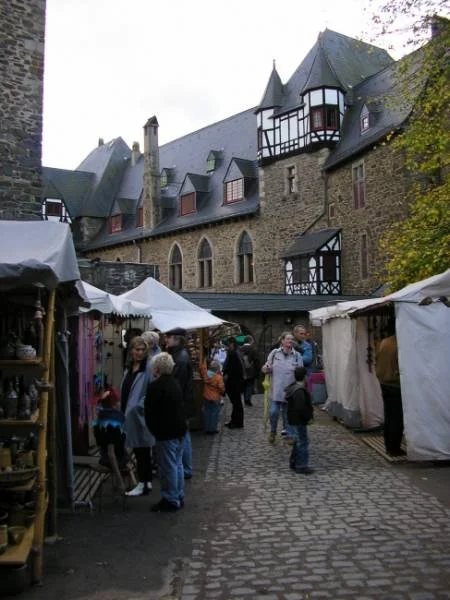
(273, 94)
(309, 243)
(389, 106)
(71, 186)
(106, 179)
(235, 137)
(271, 303)
(336, 60)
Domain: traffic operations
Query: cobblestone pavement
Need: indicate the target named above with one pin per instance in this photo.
(357, 528)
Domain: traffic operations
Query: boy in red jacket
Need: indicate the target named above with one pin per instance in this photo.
(213, 390)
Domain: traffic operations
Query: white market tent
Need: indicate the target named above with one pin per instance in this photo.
(168, 309)
(423, 336)
(110, 304)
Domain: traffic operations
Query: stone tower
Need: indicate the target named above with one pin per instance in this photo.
(22, 31)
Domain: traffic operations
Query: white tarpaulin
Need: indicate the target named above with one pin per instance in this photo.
(36, 252)
(423, 337)
(110, 304)
(169, 309)
(354, 393)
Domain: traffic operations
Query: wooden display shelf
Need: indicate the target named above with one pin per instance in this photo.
(18, 422)
(25, 487)
(15, 362)
(18, 555)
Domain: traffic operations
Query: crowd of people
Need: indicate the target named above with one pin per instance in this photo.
(150, 415)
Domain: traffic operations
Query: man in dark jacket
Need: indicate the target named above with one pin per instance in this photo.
(183, 373)
(165, 418)
(299, 414)
(251, 368)
(233, 376)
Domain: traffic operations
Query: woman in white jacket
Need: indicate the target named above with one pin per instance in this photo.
(281, 364)
(132, 395)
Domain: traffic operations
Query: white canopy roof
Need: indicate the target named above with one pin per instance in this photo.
(169, 309)
(36, 252)
(110, 304)
(434, 287)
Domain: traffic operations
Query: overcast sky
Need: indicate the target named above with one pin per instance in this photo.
(112, 64)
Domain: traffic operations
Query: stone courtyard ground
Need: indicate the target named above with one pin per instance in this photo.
(358, 528)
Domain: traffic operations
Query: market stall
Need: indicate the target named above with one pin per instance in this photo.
(170, 310)
(98, 353)
(422, 317)
(39, 284)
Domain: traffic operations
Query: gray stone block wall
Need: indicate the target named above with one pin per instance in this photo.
(22, 29)
(386, 201)
(115, 277)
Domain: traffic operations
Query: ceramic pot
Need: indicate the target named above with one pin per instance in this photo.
(24, 352)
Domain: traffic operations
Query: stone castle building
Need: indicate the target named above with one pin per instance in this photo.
(264, 215)
(22, 29)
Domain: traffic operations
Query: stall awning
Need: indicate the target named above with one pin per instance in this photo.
(36, 252)
(169, 309)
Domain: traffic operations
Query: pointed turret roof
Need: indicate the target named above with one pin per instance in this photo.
(273, 95)
(322, 73)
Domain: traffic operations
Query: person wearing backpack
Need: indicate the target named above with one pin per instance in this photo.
(250, 362)
(299, 414)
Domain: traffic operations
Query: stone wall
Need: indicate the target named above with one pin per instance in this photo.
(22, 29)
(386, 186)
(285, 215)
(115, 277)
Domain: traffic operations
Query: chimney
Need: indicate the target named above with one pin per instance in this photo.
(101, 141)
(135, 154)
(151, 174)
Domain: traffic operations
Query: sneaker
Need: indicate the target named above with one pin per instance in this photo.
(188, 475)
(272, 437)
(164, 506)
(139, 490)
(284, 432)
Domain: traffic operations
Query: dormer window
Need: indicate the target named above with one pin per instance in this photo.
(163, 179)
(213, 161)
(234, 191)
(364, 119)
(115, 223)
(187, 204)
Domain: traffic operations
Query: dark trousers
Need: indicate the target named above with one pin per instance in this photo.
(248, 391)
(393, 418)
(143, 463)
(237, 413)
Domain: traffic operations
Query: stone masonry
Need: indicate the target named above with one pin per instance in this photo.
(22, 28)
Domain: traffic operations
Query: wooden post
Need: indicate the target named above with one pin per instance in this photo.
(42, 439)
(52, 455)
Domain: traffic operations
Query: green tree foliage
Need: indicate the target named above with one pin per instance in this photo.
(420, 246)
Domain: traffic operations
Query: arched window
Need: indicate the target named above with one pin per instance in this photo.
(245, 259)
(205, 264)
(176, 269)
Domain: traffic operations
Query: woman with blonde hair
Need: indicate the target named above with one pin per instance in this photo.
(132, 395)
(166, 419)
